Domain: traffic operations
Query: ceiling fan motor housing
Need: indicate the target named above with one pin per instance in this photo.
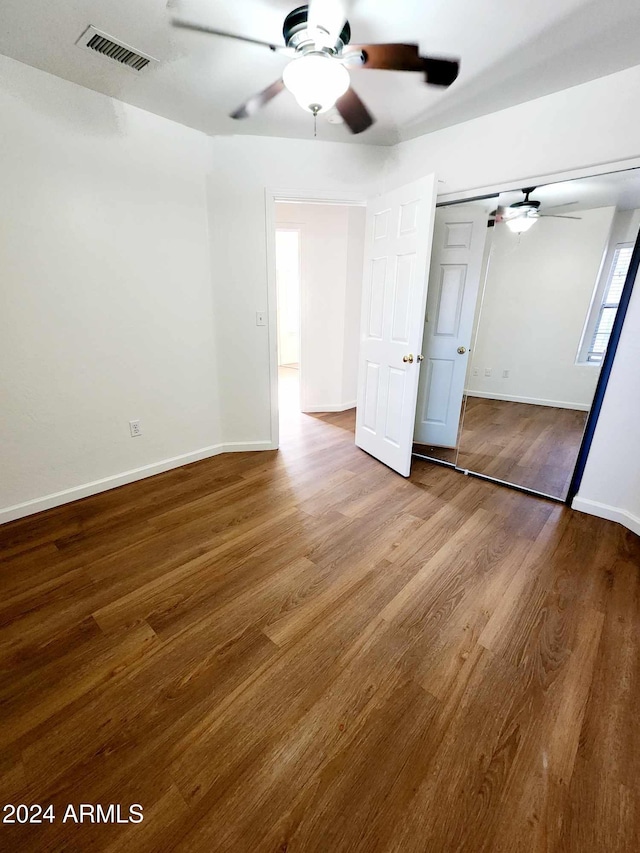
(296, 32)
(527, 204)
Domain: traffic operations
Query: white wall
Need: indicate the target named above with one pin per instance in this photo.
(611, 483)
(331, 247)
(105, 292)
(585, 126)
(242, 169)
(536, 299)
(625, 230)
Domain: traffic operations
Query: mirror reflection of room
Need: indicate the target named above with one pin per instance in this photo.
(461, 243)
(553, 266)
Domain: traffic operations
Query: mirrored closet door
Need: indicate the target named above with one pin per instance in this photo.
(523, 291)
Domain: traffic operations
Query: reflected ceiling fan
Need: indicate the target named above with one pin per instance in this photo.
(521, 215)
(317, 40)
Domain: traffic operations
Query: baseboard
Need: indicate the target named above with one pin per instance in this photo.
(11, 513)
(534, 401)
(247, 446)
(342, 407)
(611, 513)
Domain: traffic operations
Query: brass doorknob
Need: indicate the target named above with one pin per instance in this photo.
(419, 358)
(408, 358)
(462, 350)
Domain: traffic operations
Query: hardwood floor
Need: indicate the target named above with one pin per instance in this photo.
(302, 651)
(531, 446)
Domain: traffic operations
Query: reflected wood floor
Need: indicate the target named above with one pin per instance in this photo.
(302, 651)
(532, 446)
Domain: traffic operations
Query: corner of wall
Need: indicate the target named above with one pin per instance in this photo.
(611, 513)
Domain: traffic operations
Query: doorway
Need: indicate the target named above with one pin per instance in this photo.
(318, 258)
(288, 272)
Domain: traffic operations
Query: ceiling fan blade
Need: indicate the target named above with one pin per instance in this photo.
(201, 28)
(406, 57)
(356, 116)
(258, 101)
(440, 72)
(557, 216)
(327, 18)
(388, 57)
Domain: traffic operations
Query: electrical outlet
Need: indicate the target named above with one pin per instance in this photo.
(487, 371)
(505, 374)
(135, 428)
(475, 371)
(261, 318)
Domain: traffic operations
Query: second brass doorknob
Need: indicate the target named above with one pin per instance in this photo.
(408, 358)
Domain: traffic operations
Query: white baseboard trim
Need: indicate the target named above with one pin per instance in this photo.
(534, 401)
(341, 407)
(247, 446)
(11, 513)
(611, 513)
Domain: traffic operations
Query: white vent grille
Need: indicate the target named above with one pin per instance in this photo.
(99, 42)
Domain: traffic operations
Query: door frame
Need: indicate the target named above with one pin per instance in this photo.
(273, 195)
(488, 191)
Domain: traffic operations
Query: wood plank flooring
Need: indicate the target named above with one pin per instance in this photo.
(531, 446)
(302, 651)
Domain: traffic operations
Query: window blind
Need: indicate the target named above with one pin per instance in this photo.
(610, 302)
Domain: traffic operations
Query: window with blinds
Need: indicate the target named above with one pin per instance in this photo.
(609, 304)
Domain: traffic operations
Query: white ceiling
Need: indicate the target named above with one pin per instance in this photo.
(511, 51)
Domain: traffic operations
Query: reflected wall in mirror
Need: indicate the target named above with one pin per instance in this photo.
(553, 264)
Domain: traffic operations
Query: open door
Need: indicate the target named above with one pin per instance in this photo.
(458, 246)
(394, 292)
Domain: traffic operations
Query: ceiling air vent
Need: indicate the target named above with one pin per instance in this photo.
(99, 42)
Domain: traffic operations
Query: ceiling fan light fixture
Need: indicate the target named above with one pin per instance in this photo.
(316, 81)
(520, 224)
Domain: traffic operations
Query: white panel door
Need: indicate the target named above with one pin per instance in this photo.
(456, 263)
(396, 268)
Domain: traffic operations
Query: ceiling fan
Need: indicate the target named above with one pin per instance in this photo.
(521, 215)
(317, 39)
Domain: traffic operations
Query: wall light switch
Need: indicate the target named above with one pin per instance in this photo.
(135, 428)
(261, 318)
(487, 371)
(505, 374)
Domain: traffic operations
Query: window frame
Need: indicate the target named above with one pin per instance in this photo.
(586, 355)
